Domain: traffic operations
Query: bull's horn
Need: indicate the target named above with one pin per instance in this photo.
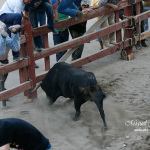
(82, 89)
(38, 85)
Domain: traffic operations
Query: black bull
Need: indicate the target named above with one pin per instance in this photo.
(66, 80)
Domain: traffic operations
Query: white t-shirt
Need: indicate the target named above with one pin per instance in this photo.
(12, 6)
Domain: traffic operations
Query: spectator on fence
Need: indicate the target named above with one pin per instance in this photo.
(10, 14)
(108, 40)
(69, 8)
(78, 30)
(32, 10)
(19, 134)
(93, 3)
(7, 43)
(63, 34)
(146, 4)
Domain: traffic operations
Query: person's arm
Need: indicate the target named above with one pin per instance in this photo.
(85, 10)
(5, 147)
(50, 2)
(114, 7)
(55, 11)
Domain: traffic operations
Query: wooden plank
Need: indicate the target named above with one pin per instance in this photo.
(70, 21)
(95, 56)
(101, 54)
(15, 90)
(31, 68)
(80, 40)
(41, 76)
(14, 66)
(46, 59)
(144, 35)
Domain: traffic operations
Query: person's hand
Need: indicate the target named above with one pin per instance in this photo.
(114, 7)
(86, 10)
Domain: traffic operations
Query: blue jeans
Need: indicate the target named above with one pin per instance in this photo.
(34, 20)
(146, 20)
(11, 19)
(98, 39)
(63, 36)
(41, 17)
(68, 7)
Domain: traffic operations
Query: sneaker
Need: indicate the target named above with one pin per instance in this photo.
(78, 15)
(53, 30)
(16, 58)
(36, 66)
(3, 33)
(14, 28)
(113, 42)
(107, 45)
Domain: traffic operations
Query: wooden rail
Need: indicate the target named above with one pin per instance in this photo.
(28, 78)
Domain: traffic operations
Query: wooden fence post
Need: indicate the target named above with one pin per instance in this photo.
(29, 53)
(128, 33)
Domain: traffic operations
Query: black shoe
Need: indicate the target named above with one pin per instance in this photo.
(53, 30)
(38, 49)
(143, 44)
(36, 66)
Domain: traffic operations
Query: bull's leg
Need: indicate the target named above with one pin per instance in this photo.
(100, 108)
(53, 96)
(51, 100)
(77, 105)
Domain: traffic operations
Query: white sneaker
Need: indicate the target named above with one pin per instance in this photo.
(113, 42)
(107, 45)
(14, 28)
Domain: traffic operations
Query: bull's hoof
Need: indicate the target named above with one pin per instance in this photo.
(51, 102)
(75, 118)
(105, 128)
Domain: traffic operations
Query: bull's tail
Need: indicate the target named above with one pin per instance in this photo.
(38, 85)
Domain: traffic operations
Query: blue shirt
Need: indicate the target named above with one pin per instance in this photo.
(53, 1)
(78, 2)
(105, 1)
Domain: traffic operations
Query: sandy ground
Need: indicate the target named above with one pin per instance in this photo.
(127, 105)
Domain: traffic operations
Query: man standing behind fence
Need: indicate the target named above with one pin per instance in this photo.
(78, 30)
(108, 40)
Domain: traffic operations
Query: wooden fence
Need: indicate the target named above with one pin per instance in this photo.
(28, 78)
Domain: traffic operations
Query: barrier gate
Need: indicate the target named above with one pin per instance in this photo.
(28, 78)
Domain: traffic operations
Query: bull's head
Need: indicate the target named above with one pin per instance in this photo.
(94, 93)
